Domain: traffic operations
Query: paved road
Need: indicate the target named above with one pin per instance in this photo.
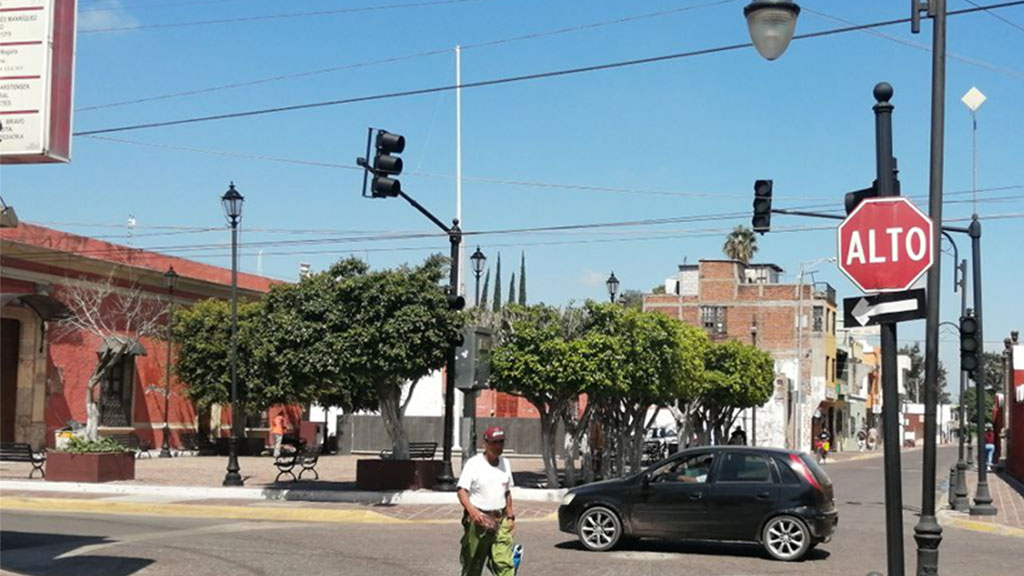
(42, 543)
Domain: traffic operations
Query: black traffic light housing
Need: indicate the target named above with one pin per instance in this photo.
(456, 302)
(385, 165)
(970, 344)
(762, 220)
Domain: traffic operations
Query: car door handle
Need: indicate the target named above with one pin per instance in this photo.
(764, 496)
(697, 496)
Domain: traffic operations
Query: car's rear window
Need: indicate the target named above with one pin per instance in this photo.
(786, 472)
(819, 473)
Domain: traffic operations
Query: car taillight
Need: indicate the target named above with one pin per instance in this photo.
(799, 467)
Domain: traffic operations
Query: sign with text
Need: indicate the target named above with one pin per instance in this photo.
(885, 244)
(37, 49)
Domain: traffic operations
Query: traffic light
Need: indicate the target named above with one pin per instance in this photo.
(970, 344)
(473, 358)
(762, 220)
(853, 199)
(385, 165)
(456, 302)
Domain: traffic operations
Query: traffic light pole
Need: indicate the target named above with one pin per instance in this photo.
(890, 389)
(982, 499)
(446, 481)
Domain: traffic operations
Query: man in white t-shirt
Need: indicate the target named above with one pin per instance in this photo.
(485, 492)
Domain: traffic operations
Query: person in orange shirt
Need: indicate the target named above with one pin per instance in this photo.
(277, 431)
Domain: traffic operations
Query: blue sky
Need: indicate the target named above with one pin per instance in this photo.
(673, 139)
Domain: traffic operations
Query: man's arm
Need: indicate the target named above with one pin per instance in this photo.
(475, 515)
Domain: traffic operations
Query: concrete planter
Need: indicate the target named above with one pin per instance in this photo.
(90, 467)
(397, 474)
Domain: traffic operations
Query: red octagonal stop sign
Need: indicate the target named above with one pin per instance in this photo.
(885, 244)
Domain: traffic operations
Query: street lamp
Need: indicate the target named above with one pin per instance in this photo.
(613, 286)
(170, 278)
(771, 24)
(232, 202)
(479, 260)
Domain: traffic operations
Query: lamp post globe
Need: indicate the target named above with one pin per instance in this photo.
(479, 260)
(170, 279)
(771, 24)
(613, 286)
(232, 202)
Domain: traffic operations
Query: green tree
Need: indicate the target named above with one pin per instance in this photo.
(971, 406)
(512, 289)
(914, 381)
(391, 327)
(497, 285)
(653, 361)
(522, 280)
(483, 293)
(544, 357)
(632, 299)
(740, 244)
(992, 363)
(203, 364)
(659, 289)
(737, 376)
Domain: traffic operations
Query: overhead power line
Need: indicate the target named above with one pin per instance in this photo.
(379, 61)
(511, 79)
(997, 16)
(276, 16)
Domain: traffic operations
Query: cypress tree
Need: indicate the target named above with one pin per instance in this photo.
(522, 280)
(497, 285)
(483, 294)
(512, 289)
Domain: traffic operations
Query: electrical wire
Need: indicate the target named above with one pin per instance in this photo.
(338, 68)
(509, 79)
(997, 16)
(283, 16)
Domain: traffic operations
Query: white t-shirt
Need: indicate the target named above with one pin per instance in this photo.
(485, 483)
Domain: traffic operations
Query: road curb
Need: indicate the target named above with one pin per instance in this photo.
(961, 520)
(299, 495)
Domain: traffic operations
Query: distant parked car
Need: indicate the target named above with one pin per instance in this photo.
(659, 443)
(779, 499)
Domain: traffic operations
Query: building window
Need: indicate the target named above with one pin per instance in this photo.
(257, 420)
(713, 319)
(116, 394)
(818, 319)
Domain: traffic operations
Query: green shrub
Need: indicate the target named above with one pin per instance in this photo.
(78, 445)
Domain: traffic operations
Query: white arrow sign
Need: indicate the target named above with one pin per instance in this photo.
(864, 311)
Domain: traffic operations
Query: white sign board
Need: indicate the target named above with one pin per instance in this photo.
(36, 66)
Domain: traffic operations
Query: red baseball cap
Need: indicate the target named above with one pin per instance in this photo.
(494, 434)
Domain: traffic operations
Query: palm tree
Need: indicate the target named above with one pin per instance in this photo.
(740, 244)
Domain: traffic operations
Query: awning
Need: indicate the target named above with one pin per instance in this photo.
(122, 345)
(47, 307)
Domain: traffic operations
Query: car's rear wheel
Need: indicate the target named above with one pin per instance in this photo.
(599, 529)
(786, 538)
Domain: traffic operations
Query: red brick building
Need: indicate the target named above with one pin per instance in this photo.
(45, 372)
(746, 302)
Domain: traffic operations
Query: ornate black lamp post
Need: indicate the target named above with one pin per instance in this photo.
(613, 286)
(479, 261)
(171, 278)
(232, 202)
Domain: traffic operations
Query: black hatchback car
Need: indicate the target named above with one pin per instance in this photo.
(778, 498)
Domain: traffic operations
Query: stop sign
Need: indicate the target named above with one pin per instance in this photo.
(885, 244)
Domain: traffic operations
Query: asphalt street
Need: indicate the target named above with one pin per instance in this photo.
(42, 543)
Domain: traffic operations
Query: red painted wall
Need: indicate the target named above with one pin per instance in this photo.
(1015, 459)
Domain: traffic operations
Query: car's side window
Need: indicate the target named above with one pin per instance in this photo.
(739, 467)
(692, 470)
(786, 472)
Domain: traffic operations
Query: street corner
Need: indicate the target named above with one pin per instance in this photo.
(950, 518)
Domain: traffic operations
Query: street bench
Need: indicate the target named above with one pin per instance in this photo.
(417, 450)
(189, 443)
(132, 442)
(306, 460)
(19, 452)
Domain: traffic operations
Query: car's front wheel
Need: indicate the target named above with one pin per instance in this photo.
(599, 529)
(786, 538)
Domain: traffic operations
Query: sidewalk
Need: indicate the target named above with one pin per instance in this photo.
(1008, 498)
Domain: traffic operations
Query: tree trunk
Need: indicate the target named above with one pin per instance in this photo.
(390, 396)
(548, 423)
